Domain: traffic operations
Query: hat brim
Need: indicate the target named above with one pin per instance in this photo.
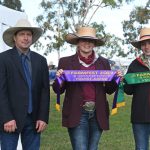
(8, 35)
(73, 39)
(137, 44)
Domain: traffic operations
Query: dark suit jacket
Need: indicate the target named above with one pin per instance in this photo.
(72, 106)
(14, 89)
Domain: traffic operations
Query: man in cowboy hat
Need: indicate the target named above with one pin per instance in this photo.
(24, 89)
(85, 109)
(140, 111)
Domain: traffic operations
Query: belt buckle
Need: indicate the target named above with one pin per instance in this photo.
(89, 106)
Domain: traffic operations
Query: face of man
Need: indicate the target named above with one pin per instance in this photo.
(23, 40)
(145, 46)
(85, 46)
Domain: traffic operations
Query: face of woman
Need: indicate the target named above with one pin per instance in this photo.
(85, 46)
(145, 46)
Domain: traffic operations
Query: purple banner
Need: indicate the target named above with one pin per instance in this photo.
(87, 76)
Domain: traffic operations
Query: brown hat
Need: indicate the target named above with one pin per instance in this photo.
(22, 24)
(86, 33)
(144, 35)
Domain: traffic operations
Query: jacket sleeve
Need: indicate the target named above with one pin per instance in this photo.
(55, 85)
(5, 109)
(128, 88)
(45, 93)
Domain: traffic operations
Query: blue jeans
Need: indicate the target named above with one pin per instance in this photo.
(141, 135)
(29, 138)
(87, 134)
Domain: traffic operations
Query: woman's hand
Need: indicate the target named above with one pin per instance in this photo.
(119, 74)
(59, 72)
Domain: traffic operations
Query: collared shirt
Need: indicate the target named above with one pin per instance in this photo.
(145, 60)
(28, 59)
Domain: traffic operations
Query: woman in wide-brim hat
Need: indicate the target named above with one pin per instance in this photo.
(22, 24)
(85, 109)
(140, 110)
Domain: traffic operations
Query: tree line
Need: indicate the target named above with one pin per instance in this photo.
(59, 17)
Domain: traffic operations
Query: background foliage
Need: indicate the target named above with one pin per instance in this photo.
(62, 16)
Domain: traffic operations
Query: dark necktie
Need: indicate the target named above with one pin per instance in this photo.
(28, 78)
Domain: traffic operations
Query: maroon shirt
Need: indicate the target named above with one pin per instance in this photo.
(88, 87)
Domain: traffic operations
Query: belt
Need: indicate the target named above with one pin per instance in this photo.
(89, 106)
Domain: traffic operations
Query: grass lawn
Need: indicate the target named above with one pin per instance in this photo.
(119, 137)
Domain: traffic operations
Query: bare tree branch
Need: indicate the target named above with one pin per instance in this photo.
(98, 6)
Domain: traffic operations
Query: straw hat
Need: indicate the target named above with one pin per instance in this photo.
(22, 24)
(144, 35)
(84, 33)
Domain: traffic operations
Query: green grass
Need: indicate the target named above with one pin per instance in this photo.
(119, 137)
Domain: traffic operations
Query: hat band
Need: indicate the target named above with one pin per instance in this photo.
(144, 36)
(86, 36)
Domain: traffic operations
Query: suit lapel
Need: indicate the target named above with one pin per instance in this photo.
(76, 66)
(99, 64)
(75, 62)
(17, 61)
(34, 67)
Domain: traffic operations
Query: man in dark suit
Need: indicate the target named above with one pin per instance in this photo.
(24, 89)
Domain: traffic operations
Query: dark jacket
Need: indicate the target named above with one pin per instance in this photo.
(72, 106)
(140, 109)
(14, 89)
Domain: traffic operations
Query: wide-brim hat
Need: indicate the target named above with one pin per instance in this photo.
(22, 24)
(144, 35)
(84, 33)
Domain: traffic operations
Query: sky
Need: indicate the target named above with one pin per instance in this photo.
(112, 19)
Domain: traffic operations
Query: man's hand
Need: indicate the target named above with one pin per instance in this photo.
(10, 126)
(40, 126)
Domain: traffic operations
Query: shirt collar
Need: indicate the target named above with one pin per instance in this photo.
(27, 53)
(87, 65)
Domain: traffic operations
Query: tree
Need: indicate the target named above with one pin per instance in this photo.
(62, 16)
(13, 4)
(139, 17)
